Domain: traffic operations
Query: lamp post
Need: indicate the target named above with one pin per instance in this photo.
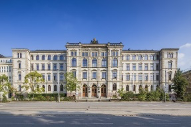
(58, 85)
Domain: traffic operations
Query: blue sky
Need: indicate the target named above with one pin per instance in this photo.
(139, 24)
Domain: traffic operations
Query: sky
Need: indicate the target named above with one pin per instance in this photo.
(138, 24)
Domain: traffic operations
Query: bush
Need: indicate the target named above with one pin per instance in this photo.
(4, 98)
(129, 96)
(45, 97)
(187, 97)
(142, 95)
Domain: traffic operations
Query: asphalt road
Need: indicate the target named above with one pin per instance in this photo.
(93, 121)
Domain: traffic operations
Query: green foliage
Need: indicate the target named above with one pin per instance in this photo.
(180, 84)
(187, 97)
(71, 82)
(4, 99)
(121, 92)
(5, 85)
(142, 95)
(128, 96)
(32, 80)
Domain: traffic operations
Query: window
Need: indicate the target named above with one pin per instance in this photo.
(55, 87)
(127, 87)
(115, 64)
(74, 73)
(43, 76)
(94, 62)
(146, 67)
(128, 77)
(169, 88)
(114, 87)
(146, 77)
(61, 77)
(114, 53)
(31, 57)
(170, 65)
(94, 75)
(134, 67)
(134, 57)
(157, 77)
(43, 67)
(134, 88)
(19, 65)
(94, 53)
(128, 67)
(104, 63)
(84, 75)
(55, 77)
(151, 57)
(128, 57)
(17, 55)
(37, 57)
(74, 63)
(49, 57)
(157, 57)
(37, 67)
(49, 67)
(20, 55)
(19, 77)
(140, 77)
(103, 75)
(157, 66)
(151, 67)
(84, 53)
(61, 88)
(19, 87)
(169, 76)
(49, 77)
(151, 77)
(54, 66)
(170, 55)
(61, 57)
(140, 57)
(49, 88)
(61, 66)
(103, 53)
(85, 62)
(140, 67)
(43, 57)
(55, 57)
(114, 74)
(73, 53)
(146, 57)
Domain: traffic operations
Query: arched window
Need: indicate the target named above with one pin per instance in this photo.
(146, 88)
(115, 64)
(74, 62)
(19, 77)
(127, 87)
(94, 62)
(37, 57)
(49, 57)
(61, 88)
(55, 57)
(55, 87)
(61, 57)
(31, 57)
(49, 88)
(19, 65)
(43, 57)
(134, 88)
(114, 87)
(104, 62)
(140, 87)
(140, 57)
(85, 62)
(151, 57)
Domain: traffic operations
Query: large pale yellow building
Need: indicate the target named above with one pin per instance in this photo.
(101, 69)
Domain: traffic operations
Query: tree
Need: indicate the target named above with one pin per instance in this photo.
(71, 82)
(32, 81)
(5, 85)
(180, 84)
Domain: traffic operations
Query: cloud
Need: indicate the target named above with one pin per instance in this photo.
(184, 56)
(187, 45)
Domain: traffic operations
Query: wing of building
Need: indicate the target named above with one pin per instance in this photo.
(101, 69)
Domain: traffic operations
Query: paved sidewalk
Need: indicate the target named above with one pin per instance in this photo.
(93, 108)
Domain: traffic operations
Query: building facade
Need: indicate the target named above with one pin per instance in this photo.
(101, 69)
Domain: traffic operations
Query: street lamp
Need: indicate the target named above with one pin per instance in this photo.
(58, 85)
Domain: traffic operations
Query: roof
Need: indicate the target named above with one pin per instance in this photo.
(48, 51)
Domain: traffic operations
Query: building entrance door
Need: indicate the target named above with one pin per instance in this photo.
(94, 91)
(103, 90)
(85, 91)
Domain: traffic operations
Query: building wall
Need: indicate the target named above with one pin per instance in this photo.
(118, 75)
